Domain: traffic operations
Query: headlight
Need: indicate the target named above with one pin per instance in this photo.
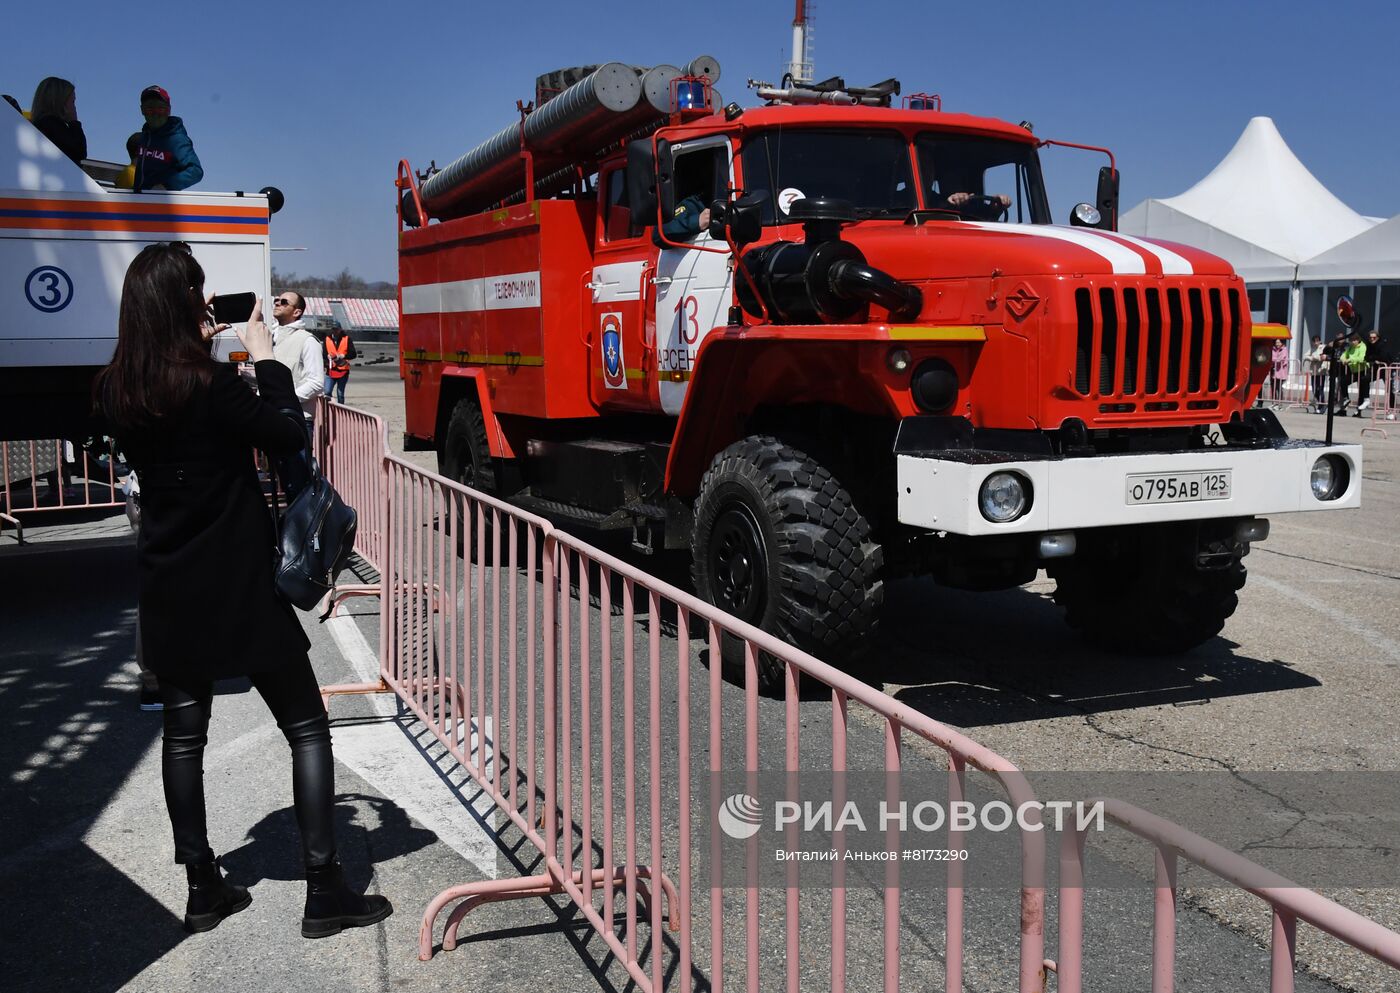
(1263, 354)
(1330, 477)
(1004, 497)
(1085, 215)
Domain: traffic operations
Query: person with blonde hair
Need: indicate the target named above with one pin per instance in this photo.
(54, 111)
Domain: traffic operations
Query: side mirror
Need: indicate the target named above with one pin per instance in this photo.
(1347, 312)
(1107, 201)
(641, 181)
(741, 220)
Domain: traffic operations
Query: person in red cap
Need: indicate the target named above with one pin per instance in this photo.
(165, 158)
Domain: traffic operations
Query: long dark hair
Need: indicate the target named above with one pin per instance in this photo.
(161, 357)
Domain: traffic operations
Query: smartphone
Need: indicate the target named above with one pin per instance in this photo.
(226, 347)
(234, 308)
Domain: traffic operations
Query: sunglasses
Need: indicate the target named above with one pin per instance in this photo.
(282, 303)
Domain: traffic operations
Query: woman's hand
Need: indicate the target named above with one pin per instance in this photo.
(255, 336)
(208, 328)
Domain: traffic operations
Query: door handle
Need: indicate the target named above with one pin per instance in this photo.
(661, 280)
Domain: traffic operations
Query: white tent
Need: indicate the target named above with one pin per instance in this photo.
(1260, 209)
(1373, 254)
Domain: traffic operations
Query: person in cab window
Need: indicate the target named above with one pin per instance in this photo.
(55, 113)
(165, 156)
(696, 180)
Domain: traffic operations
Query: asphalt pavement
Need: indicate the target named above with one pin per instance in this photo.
(1298, 681)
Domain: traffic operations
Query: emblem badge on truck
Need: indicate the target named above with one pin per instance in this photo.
(1021, 301)
(614, 369)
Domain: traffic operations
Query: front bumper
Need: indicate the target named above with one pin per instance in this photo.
(939, 490)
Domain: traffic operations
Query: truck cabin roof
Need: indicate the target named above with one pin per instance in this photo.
(909, 121)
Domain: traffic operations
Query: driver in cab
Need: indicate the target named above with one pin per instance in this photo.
(968, 206)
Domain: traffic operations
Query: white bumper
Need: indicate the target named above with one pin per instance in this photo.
(940, 494)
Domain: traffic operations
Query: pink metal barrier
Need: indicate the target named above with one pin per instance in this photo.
(53, 475)
(1385, 381)
(539, 663)
(1288, 902)
(351, 446)
(535, 658)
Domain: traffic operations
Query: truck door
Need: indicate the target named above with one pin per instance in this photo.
(693, 287)
(621, 361)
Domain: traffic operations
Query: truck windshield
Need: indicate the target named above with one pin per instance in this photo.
(868, 169)
(982, 179)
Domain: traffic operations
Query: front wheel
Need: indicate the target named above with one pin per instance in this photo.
(1141, 591)
(779, 542)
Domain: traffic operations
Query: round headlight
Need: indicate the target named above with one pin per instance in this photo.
(1004, 497)
(1085, 215)
(1262, 354)
(1329, 477)
(898, 359)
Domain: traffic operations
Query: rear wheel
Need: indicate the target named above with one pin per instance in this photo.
(778, 542)
(1140, 590)
(466, 459)
(466, 454)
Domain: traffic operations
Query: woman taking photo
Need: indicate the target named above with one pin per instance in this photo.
(208, 607)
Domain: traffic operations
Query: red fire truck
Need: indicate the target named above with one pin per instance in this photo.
(829, 341)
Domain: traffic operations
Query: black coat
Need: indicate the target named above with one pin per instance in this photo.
(67, 135)
(205, 551)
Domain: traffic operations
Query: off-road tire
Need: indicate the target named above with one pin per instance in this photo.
(817, 578)
(466, 454)
(1138, 591)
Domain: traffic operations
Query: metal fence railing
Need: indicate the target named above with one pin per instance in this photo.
(54, 474)
(585, 698)
(1288, 902)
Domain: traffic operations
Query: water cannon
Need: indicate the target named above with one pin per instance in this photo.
(822, 279)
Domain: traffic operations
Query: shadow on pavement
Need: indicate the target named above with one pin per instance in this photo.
(273, 848)
(73, 734)
(973, 659)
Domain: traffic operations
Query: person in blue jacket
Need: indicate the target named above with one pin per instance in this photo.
(165, 158)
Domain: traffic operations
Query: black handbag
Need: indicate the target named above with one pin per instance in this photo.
(314, 538)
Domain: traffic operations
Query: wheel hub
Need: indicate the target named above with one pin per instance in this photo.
(738, 562)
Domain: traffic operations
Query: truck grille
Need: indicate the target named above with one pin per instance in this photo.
(1144, 342)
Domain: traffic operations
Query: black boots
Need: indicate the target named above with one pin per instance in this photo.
(331, 906)
(212, 897)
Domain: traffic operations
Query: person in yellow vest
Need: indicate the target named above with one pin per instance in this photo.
(339, 351)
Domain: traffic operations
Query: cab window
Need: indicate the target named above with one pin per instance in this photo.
(984, 179)
(868, 169)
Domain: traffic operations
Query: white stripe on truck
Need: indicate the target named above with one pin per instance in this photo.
(511, 291)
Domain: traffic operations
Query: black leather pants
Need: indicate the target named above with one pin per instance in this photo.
(294, 698)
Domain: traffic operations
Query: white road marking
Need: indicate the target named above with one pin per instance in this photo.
(1385, 645)
(377, 754)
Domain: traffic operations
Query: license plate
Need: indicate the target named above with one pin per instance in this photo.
(1178, 487)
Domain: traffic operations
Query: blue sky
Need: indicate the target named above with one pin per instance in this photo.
(322, 99)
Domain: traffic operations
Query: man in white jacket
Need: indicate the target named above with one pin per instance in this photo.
(297, 349)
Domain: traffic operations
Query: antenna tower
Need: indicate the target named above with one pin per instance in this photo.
(801, 68)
